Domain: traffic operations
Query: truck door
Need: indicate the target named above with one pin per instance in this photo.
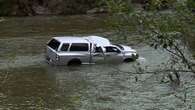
(113, 54)
(98, 55)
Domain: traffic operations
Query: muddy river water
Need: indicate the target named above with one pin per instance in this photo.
(27, 82)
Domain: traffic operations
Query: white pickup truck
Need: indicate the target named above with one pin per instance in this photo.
(87, 50)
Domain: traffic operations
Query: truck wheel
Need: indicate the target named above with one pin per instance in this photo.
(74, 62)
(129, 60)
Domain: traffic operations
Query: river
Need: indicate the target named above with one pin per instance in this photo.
(29, 83)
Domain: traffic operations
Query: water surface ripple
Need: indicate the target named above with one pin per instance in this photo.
(29, 83)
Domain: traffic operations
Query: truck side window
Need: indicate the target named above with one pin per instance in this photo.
(79, 47)
(64, 47)
(98, 49)
(112, 49)
(54, 44)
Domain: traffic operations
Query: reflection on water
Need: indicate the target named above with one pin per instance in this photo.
(27, 82)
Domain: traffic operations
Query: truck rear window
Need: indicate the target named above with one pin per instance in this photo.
(54, 44)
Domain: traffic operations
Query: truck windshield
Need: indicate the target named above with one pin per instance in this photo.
(54, 44)
(118, 45)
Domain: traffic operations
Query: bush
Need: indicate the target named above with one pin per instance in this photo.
(5, 7)
(155, 4)
(159, 4)
(139, 1)
(118, 6)
(191, 4)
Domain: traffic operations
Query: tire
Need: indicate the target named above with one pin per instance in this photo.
(74, 62)
(127, 60)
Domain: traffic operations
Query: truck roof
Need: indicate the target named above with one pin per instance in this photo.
(99, 41)
(68, 39)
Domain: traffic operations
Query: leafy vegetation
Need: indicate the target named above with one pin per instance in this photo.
(4, 4)
(118, 6)
(159, 4)
(191, 4)
(168, 30)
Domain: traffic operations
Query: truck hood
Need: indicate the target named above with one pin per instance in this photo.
(128, 49)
